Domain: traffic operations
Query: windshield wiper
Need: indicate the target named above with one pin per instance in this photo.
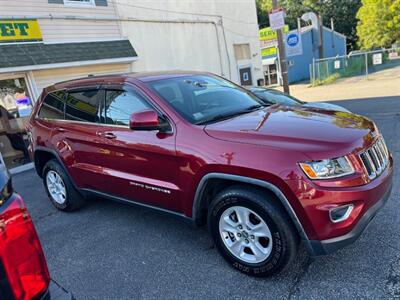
(221, 117)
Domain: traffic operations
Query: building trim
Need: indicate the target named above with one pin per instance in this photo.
(309, 28)
(55, 42)
(69, 64)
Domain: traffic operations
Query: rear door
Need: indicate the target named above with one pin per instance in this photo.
(137, 165)
(75, 138)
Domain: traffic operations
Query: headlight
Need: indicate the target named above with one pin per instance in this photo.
(327, 168)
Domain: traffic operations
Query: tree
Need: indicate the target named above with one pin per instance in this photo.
(379, 23)
(343, 13)
(294, 9)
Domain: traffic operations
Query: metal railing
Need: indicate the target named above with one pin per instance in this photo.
(354, 64)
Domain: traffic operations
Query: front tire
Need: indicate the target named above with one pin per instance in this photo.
(251, 231)
(59, 187)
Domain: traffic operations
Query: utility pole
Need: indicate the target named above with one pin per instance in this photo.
(282, 54)
(321, 37)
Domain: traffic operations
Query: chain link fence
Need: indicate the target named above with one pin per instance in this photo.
(355, 64)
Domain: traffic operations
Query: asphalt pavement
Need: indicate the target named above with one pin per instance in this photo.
(109, 250)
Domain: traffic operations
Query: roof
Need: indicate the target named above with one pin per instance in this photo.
(121, 78)
(310, 27)
(37, 54)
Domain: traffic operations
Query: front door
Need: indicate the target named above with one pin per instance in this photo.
(136, 165)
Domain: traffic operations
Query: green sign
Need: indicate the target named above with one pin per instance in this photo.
(270, 51)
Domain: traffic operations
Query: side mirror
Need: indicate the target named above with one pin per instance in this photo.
(146, 120)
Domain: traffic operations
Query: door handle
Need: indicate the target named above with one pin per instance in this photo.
(60, 129)
(107, 135)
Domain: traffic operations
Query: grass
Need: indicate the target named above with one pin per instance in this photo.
(330, 79)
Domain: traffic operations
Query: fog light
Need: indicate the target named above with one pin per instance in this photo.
(341, 213)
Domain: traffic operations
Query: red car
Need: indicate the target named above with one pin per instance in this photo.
(23, 269)
(204, 149)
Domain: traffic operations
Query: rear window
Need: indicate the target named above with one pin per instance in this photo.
(53, 106)
(84, 106)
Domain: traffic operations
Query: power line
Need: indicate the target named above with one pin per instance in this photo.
(183, 12)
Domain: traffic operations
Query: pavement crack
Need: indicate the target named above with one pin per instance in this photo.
(294, 288)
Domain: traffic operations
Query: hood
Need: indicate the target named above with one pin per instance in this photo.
(324, 105)
(316, 133)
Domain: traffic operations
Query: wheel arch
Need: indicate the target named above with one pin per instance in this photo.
(201, 200)
(42, 155)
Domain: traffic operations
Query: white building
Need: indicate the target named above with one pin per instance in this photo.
(219, 36)
(46, 41)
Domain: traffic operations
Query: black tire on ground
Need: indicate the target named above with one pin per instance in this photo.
(284, 236)
(74, 199)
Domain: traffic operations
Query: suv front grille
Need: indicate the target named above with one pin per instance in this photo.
(375, 158)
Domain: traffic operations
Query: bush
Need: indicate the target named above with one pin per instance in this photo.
(330, 79)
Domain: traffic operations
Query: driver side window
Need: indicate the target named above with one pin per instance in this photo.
(120, 104)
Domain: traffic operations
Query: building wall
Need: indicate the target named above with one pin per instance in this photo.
(300, 68)
(64, 29)
(167, 34)
(173, 34)
(333, 46)
(44, 78)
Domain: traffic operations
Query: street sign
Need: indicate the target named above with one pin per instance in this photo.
(377, 59)
(268, 34)
(393, 55)
(270, 51)
(293, 44)
(277, 19)
(267, 44)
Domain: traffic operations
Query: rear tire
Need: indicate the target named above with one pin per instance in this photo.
(59, 187)
(251, 231)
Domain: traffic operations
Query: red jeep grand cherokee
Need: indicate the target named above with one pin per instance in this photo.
(202, 148)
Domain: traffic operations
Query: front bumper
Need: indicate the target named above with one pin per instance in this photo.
(57, 292)
(328, 246)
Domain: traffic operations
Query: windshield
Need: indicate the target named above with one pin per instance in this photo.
(274, 97)
(203, 99)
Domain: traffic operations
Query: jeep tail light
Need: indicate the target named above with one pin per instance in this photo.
(22, 259)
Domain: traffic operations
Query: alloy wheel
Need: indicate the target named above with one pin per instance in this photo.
(56, 187)
(245, 234)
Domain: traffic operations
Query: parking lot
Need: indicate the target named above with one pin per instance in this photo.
(112, 251)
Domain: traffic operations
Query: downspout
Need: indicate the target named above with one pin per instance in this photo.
(219, 50)
(116, 11)
(226, 48)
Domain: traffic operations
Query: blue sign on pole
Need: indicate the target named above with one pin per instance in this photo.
(293, 44)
